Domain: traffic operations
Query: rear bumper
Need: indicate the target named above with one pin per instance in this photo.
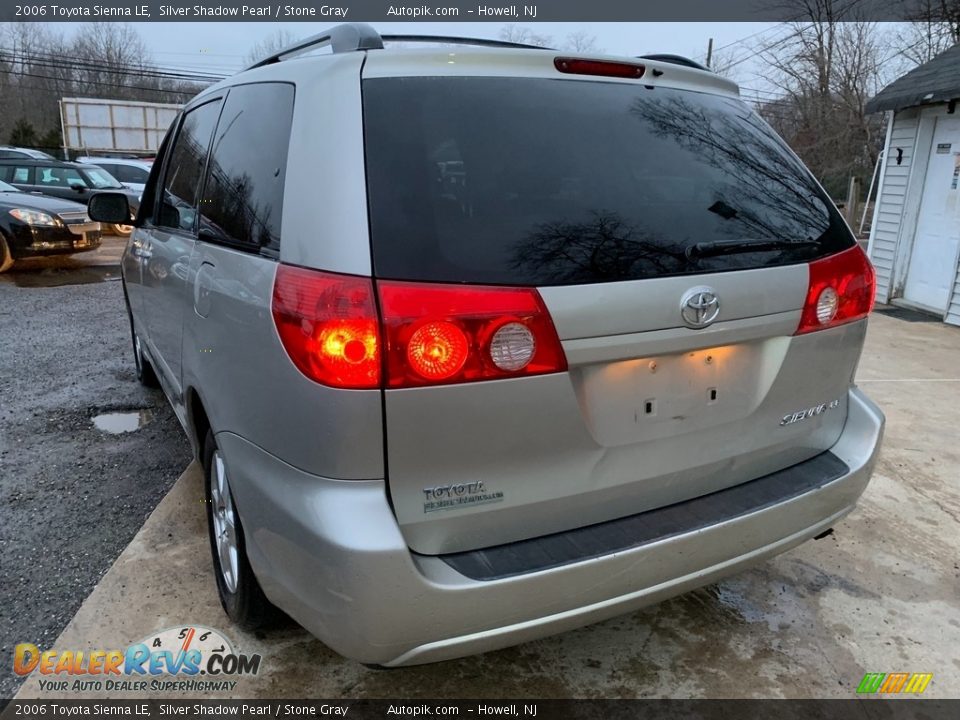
(331, 555)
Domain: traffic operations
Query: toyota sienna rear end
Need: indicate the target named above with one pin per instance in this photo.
(546, 339)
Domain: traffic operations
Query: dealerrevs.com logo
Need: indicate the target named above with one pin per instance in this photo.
(189, 658)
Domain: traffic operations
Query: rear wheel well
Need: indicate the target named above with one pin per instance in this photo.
(199, 422)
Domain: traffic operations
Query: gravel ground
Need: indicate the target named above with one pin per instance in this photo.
(71, 496)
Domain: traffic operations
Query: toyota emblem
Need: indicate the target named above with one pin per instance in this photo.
(699, 307)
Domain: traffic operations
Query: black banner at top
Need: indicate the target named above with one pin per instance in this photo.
(528, 11)
(523, 709)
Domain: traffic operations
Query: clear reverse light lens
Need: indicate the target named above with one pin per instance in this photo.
(34, 217)
(512, 347)
(827, 305)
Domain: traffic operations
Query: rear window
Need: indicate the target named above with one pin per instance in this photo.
(551, 182)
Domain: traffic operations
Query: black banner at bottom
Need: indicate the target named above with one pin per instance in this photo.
(867, 708)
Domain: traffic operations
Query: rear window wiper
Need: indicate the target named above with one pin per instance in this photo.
(734, 247)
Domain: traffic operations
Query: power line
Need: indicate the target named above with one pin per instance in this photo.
(79, 71)
(751, 35)
(144, 70)
(93, 66)
(189, 93)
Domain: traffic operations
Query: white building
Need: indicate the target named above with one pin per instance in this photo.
(915, 235)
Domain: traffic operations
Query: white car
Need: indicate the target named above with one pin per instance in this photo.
(131, 172)
(10, 151)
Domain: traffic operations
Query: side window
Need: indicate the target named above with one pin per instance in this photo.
(181, 183)
(243, 193)
(148, 198)
(14, 174)
(17, 174)
(130, 174)
(59, 177)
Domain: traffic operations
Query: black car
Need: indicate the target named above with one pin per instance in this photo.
(66, 180)
(32, 225)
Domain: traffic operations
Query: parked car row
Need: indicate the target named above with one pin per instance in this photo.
(33, 225)
(43, 201)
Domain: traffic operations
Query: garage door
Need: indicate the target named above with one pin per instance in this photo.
(933, 259)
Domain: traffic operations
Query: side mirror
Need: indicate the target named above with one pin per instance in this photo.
(78, 187)
(109, 207)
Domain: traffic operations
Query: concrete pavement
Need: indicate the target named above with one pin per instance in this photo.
(882, 594)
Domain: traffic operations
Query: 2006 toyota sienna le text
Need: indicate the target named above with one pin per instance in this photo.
(483, 343)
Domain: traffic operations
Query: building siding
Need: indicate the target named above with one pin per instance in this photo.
(953, 310)
(899, 203)
(888, 214)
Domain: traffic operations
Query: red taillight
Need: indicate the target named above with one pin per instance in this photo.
(438, 350)
(606, 68)
(454, 333)
(841, 290)
(328, 326)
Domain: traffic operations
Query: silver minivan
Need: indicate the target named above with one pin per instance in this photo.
(479, 343)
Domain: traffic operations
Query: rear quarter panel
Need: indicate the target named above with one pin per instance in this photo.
(234, 361)
(233, 358)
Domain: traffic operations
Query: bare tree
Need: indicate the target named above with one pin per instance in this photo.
(824, 71)
(725, 62)
(277, 40)
(31, 82)
(935, 27)
(525, 35)
(579, 41)
(109, 56)
(39, 66)
(582, 42)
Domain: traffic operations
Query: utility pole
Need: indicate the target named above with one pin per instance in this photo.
(709, 51)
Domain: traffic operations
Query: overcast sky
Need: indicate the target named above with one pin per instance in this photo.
(222, 47)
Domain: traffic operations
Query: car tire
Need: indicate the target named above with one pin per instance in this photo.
(240, 593)
(146, 375)
(145, 372)
(6, 259)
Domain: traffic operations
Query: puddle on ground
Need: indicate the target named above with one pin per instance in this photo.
(117, 423)
(55, 277)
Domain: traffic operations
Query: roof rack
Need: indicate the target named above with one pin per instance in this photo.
(675, 60)
(351, 37)
(347, 37)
